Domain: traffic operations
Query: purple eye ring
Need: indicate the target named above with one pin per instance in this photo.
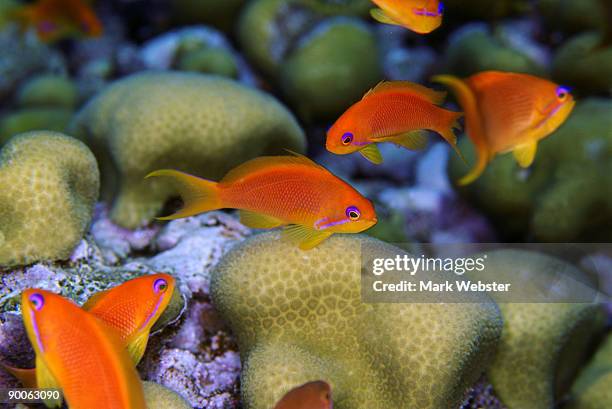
(37, 301)
(562, 92)
(160, 285)
(347, 138)
(353, 213)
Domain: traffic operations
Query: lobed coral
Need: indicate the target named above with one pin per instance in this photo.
(204, 125)
(592, 388)
(473, 49)
(48, 91)
(565, 195)
(542, 344)
(321, 62)
(49, 186)
(44, 102)
(585, 62)
(160, 397)
(299, 317)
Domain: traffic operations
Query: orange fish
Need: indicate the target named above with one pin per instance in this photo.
(79, 354)
(54, 19)
(311, 395)
(130, 309)
(420, 16)
(399, 112)
(506, 112)
(274, 191)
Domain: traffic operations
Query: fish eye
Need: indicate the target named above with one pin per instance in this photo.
(347, 138)
(37, 301)
(160, 285)
(353, 213)
(562, 93)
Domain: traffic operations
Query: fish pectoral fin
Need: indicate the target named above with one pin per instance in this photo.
(371, 153)
(94, 299)
(46, 380)
(136, 347)
(256, 220)
(525, 154)
(305, 237)
(414, 140)
(382, 17)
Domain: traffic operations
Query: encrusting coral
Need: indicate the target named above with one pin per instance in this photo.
(299, 317)
(544, 342)
(592, 389)
(49, 184)
(200, 124)
(565, 195)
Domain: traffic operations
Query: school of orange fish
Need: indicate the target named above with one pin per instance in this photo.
(101, 342)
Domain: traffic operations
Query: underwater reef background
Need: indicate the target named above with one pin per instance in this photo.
(203, 86)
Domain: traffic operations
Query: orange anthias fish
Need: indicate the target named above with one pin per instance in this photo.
(54, 19)
(311, 395)
(79, 354)
(399, 112)
(274, 191)
(508, 112)
(420, 16)
(131, 309)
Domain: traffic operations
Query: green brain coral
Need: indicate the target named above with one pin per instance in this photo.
(48, 186)
(201, 124)
(565, 195)
(298, 316)
(542, 344)
(593, 388)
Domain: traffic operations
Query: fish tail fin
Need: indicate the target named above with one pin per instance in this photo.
(27, 377)
(447, 131)
(198, 195)
(476, 170)
(473, 124)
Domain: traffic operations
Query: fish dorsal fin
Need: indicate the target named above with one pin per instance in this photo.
(256, 220)
(525, 154)
(372, 153)
(305, 237)
(94, 299)
(46, 380)
(137, 346)
(262, 162)
(433, 96)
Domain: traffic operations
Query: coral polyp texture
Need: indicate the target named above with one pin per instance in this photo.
(565, 196)
(196, 123)
(298, 317)
(592, 389)
(49, 184)
(543, 343)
